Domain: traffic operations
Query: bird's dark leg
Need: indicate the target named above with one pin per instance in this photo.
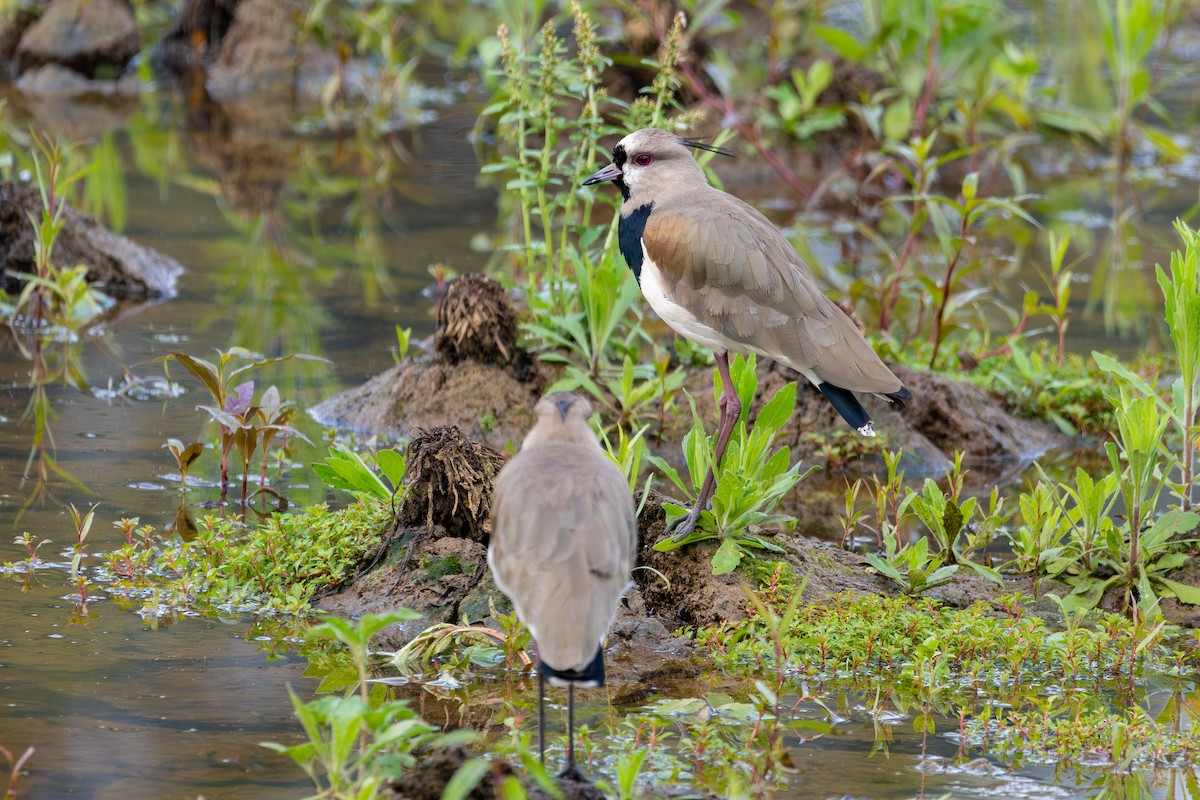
(542, 711)
(571, 772)
(731, 408)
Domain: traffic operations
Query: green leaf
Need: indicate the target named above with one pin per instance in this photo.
(1186, 594)
(778, 409)
(466, 778)
(886, 569)
(1115, 367)
(393, 464)
(842, 42)
(727, 557)
(1173, 523)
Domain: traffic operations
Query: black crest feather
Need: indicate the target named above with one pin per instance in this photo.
(699, 144)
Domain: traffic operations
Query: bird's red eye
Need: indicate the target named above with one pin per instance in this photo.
(643, 159)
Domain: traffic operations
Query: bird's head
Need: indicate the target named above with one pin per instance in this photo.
(649, 162)
(562, 417)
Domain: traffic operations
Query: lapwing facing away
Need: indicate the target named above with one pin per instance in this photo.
(562, 548)
(720, 274)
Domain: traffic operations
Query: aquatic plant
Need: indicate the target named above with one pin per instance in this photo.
(52, 295)
(357, 743)
(239, 421)
(914, 567)
(16, 766)
(457, 646)
(1181, 295)
(967, 664)
(185, 456)
(949, 520)
(82, 522)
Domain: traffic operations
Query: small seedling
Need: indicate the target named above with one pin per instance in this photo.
(185, 456)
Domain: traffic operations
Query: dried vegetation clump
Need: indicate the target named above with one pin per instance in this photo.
(476, 322)
(450, 483)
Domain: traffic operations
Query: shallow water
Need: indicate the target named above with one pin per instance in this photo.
(117, 705)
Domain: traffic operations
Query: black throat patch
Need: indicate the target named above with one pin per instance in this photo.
(619, 158)
(629, 237)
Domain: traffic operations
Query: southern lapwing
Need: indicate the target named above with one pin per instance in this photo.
(562, 548)
(720, 274)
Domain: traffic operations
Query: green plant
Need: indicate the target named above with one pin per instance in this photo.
(917, 162)
(852, 514)
(947, 519)
(54, 295)
(891, 499)
(459, 647)
(631, 456)
(1041, 543)
(26, 541)
(1092, 500)
(357, 743)
(1059, 283)
(403, 342)
(1181, 294)
(273, 567)
(1071, 396)
(913, 567)
(249, 427)
(346, 470)
(185, 456)
(800, 116)
(236, 418)
(1131, 30)
(751, 478)
(584, 337)
(82, 523)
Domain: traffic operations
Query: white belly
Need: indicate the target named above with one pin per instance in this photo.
(681, 320)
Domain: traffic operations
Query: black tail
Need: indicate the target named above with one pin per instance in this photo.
(590, 676)
(848, 406)
(902, 397)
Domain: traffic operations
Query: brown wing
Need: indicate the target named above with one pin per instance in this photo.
(562, 547)
(727, 264)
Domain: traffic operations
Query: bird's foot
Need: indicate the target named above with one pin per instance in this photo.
(572, 774)
(683, 526)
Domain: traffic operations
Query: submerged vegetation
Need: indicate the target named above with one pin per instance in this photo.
(920, 137)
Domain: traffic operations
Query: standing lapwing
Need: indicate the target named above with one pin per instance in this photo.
(720, 274)
(562, 548)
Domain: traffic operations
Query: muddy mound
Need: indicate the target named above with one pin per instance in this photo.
(960, 416)
(443, 578)
(450, 484)
(115, 265)
(479, 379)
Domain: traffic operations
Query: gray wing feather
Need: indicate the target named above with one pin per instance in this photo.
(735, 271)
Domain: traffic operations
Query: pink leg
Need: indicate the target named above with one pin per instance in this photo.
(731, 409)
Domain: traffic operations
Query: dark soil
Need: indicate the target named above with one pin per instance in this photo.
(115, 265)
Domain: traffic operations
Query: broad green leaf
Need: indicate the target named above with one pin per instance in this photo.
(727, 557)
